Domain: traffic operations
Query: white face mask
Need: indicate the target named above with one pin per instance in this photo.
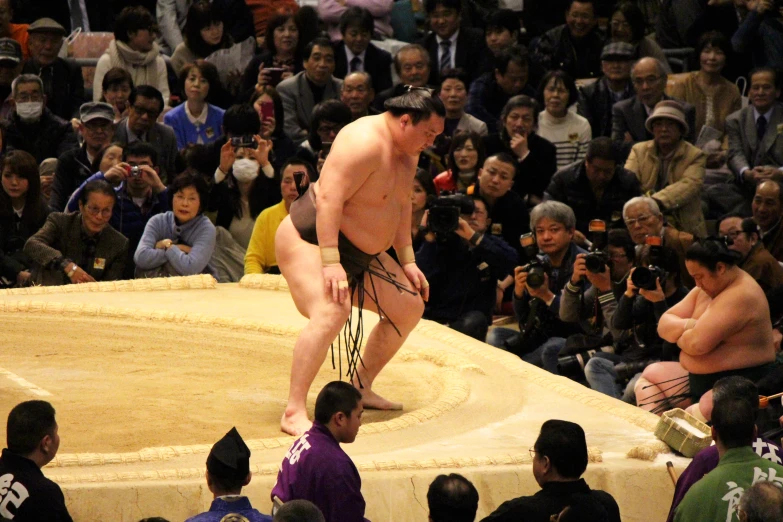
(245, 170)
(29, 111)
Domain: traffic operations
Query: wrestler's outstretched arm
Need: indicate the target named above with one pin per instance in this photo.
(346, 169)
(403, 245)
(718, 321)
(672, 323)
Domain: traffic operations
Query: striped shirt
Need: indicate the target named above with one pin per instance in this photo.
(569, 134)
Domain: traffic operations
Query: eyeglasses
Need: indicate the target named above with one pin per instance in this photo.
(93, 211)
(532, 451)
(141, 111)
(641, 220)
(734, 234)
(28, 97)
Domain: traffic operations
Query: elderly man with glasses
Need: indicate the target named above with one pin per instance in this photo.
(643, 218)
(146, 104)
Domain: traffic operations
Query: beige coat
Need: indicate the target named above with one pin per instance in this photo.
(681, 196)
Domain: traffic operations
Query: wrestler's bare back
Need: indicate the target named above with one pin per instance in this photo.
(372, 214)
(750, 344)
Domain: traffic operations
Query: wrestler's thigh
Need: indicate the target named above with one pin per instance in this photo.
(397, 305)
(300, 265)
(659, 372)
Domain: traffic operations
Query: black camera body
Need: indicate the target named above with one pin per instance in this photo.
(445, 211)
(644, 277)
(535, 266)
(596, 262)
(626, 370)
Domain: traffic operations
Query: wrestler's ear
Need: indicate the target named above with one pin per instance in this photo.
(405, 120)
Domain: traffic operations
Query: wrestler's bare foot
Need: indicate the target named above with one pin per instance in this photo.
(295, 422)
(373, 401)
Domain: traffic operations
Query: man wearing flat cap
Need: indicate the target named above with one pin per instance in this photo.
(62, 78)
(670, 169)
(596, 99)
(228, 471)
(96, 126)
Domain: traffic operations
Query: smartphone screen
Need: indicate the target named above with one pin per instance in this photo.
(267, 110)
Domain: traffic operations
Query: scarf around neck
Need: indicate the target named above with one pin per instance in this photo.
(142, 66)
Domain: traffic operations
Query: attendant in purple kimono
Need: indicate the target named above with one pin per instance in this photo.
(316, 468)
(228, 471)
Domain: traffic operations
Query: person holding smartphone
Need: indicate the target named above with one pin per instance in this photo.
(269, 107)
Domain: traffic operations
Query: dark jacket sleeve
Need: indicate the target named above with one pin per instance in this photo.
(498, 254)
(59, 196)
(623, 315)
(426, 258)
(117, 268)
(475, 106)
(39, 246)
(555, 191)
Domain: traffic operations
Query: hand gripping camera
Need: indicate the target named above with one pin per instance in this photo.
(597, 259)
(644, 277)
(535, 265)
(445, 212)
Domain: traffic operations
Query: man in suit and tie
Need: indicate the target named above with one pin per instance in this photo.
(303, 91)
(755, 147)
(146, 104)
(629, 116)
(355, 53)
(451, 46)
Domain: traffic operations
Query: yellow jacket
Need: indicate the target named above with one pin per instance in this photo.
(260, 255)
(681, 196)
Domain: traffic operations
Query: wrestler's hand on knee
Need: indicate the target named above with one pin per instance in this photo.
(417, 279)
(336, 282)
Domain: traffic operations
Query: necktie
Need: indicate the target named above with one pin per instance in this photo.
(761, 127)
(355, 63)
(445, 57)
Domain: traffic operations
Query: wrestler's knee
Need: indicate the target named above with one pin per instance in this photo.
(409, 312)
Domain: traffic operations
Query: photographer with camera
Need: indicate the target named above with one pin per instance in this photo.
(745, 238)
(650, 291)
(590, 299)
(462, 264)
(643, 218)
(539, 282)
(140, 194)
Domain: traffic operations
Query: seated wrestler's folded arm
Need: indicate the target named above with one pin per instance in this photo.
(672, 323)
(719, 321)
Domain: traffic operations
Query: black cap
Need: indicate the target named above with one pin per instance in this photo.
(10, 50)
(229, 458)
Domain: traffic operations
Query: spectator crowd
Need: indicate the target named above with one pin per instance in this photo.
(604, 170)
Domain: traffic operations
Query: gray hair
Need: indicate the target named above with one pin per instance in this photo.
(659, 65)
(762, 502)
(407, 48)
(26, 78)
(363, 74)
(650, 202)
(554, 210)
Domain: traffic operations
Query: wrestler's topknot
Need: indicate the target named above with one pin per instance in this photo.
(418, 102)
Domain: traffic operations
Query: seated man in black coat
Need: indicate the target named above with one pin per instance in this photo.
(355, 53)
(559, 460)
(32, 127)
(507, 210)
(596, 100)
(490, 92)
(574, 47)
(62, 78)
(449, 45)
(33, 442)
(596, 188)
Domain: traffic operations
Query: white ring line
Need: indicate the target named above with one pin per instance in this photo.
(24, 383)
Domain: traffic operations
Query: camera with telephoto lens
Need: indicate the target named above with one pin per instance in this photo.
(645, 277)
(574, 365)
(243, 142)
(626, 370)
(445, 211)
(535, 265)
(597, 259)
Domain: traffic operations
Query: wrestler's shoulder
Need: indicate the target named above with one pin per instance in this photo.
(366, 127)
